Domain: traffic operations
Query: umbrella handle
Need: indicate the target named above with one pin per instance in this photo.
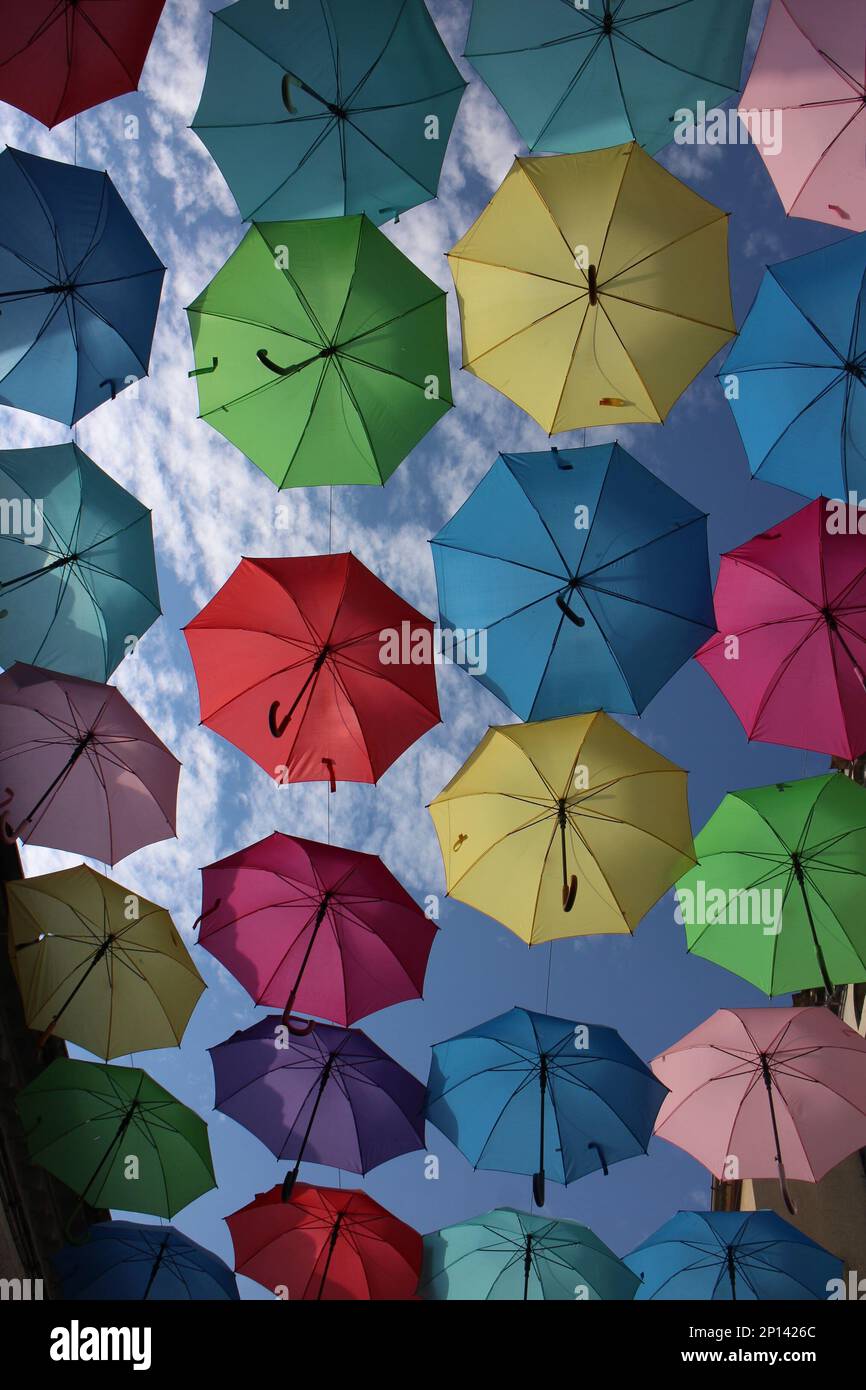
(275, 367)
(538, 1188)
(286, 93)
(8, 832)
(600, 1151)
(332, 776)
(277, 728)
(46, 1034)
(299, 1027)
(110, 384)
(575, 618)
(569, 893)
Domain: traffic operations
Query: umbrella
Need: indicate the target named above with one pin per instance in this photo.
(328, 1096)
(125, 1260)
(296, 666)
(79, 769)
(589, 577)
(321, 352)
(98, 964)
(581, 76)
(796, 376)
(759, 1093)
(326, 1243)
(790, 652)
(59, 57)
(314, 927)
(568, 812)
(593, 288)
(116, 1137)
(77, 573)
(328, 110)
(811, 68)
(776, 895)
(528, 1093)
(513, 1255)
(79, 289)
(723, 1256)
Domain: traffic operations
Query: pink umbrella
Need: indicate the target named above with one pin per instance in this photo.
(304, 925)
(79, 769)
(759, 1093)
(811, 67)
(790, 652)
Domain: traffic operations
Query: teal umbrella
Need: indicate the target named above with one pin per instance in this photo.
(78, 581)
(509, 1254)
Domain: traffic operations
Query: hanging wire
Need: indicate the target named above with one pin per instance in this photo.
(549, 964)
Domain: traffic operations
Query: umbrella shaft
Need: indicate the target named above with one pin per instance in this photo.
(64, 771)
(332, 1245)
(320, 917)
(316, 1103)
(822, 964)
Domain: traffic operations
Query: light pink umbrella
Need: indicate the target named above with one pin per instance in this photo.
(79, 769)
(811, 67)
(763, 1093)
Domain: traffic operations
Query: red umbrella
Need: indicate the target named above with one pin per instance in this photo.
(314, 927)
(327, 1244)
(314, 668)
(59, 57)
(790, 652)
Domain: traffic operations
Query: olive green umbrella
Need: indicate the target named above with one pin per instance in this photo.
(321, 352)
(116, 1137)
(777, 894)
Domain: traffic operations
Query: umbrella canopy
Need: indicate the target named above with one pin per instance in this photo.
(811, 67)
(579, 77)
(330, 1096)
(59, 57)
(776, 895)
(79, 769)
(98, 964)
(116, 1137)
(790, 652)
(79, 289)
(313, 927)
(589, 576)
(593, 288)
(775, 1092)
(296, 666)
(328, 109)
(513, 1255)
(726, 1256)
(321, 352)
(125, 1260)
(796, 376)
(77, 571)
(528, 1093)
(326, 1243)
(568, 815)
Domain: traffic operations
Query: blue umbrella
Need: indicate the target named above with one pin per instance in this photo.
(77, 571)
(328, 107)
(581, 76)
(796, 376)
(731, 1255)
(528, 1093)
(79, 289)
(587, 575)
(127, 1260)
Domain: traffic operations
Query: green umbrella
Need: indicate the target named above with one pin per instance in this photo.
(777, 894)
(509, 1254)
(116, 1137)
(321, 352)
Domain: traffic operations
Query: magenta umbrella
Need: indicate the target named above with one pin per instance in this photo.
(79, 769)
(762, 1093)
(790, 651)
(314, 927)
(805, 105)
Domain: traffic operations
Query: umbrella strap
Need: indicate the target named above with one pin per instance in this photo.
(332, 776)
(204, 915)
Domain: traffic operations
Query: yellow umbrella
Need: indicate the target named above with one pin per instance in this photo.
(593, 288)
(99, 965)
(567, 827)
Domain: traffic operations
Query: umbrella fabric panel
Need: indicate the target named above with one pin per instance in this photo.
(125, 1260)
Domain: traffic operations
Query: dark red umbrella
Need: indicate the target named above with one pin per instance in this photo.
(313, 927)
(326, 1243)
(59, 57)
(314, 668)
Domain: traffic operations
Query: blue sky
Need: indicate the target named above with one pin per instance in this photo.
(211, 506)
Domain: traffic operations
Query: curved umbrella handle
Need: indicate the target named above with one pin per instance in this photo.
(300, 1028)
(110, 385)
(569, 893)
(273, 366)
(278, 728)
(575, 618)
(600, 1151)
(286, 94)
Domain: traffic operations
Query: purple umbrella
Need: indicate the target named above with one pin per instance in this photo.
(330, 1095)
(79, 769)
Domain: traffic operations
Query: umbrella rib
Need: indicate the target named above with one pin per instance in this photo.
(390, 158)
(502, 559)
(584, 64)
(520, 270)
(350, 96)
(524, 328)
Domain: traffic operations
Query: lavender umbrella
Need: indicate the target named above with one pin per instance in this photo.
(79, 769)
(330, 1096)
